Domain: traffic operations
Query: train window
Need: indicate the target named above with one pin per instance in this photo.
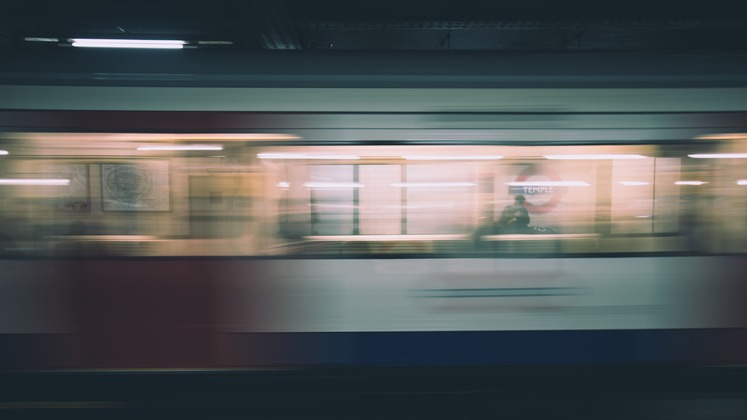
(438, 198)
(381, 201)
(578, 199)
(644, 196)
(332, 194)
(716, 191)
(78, 197)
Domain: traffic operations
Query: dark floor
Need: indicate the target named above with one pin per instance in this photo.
(589, 392)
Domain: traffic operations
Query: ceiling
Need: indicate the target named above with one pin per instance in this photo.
(386, 25)
(380, 43)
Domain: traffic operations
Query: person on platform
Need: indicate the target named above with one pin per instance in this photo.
(515, 217)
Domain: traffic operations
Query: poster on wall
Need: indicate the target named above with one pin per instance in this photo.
(74, 196)
(142, 186)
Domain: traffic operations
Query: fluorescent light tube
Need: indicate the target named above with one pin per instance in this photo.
(332, 185)
(185, 147)
(594, 157)
(31, 181)
(432, 184)
(304, 156)
(127, 43)
(476, 157)
(719, 156)
(690, 183)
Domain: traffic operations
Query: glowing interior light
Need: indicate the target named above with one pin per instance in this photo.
(548, 184)
(690, 183)
(634, 183)
(284, 184)
(127, 43)
(476, 157)
(594, 157)
(185, 147)
(3, 152)
(433, 184)
(742, 182)
(321, 184)
(724, 136)
(304, 156)
(719, 156)
(32, 181)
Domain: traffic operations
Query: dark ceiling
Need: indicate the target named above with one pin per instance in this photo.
(519, 25)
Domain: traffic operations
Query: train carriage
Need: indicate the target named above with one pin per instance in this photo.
(312, 223)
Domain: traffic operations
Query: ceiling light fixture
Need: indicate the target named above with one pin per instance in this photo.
(181, 148)
(128, 43)
(3, 152)
(31, 181)
(594, 157)
(719, 156)
(476, 157)
(432, 184)
(690, 183)
(305, 156)
(548, 184)
(333, 185)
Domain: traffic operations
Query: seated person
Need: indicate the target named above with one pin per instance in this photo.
(515, 218)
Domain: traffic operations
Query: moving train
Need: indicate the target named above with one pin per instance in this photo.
(202, 227)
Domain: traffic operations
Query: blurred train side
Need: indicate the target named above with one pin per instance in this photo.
(204, 279)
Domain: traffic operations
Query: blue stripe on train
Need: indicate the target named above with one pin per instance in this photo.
(502, 347)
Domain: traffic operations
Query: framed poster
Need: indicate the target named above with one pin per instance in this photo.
(72, 197)
(142, 186)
